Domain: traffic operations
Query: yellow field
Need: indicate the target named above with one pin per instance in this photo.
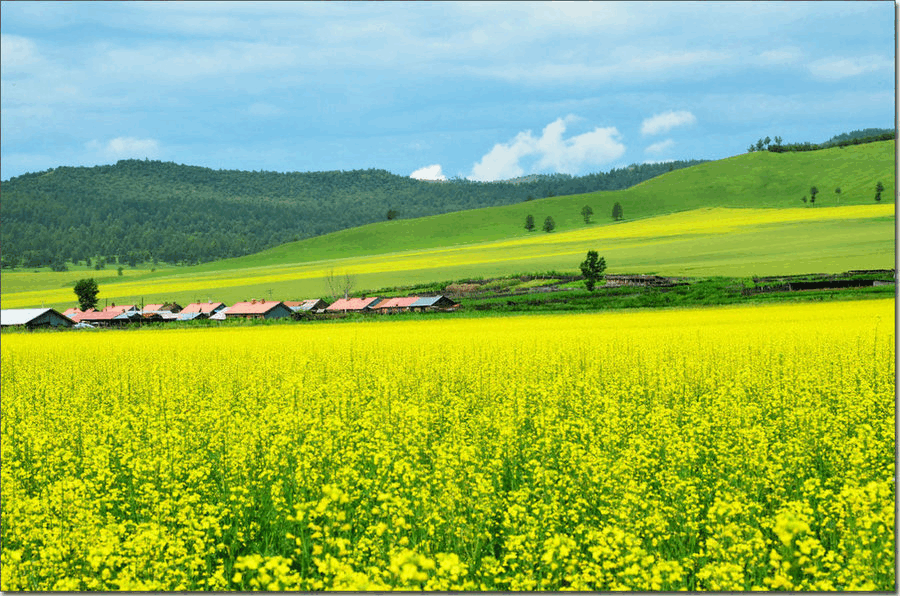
(739, 242)
(720, 449)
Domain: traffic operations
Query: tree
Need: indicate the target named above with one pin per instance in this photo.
(592, 269)
(767, 141)
(778, 141)
(529, 222)
(813, 191)
(759, 145)
(879, 188)
(392, 214)
(549, 224)
(837, 191)
(86, 290)
(586, 213)
(804, 198)
(751, 149)
(617, 213)
(339, 284)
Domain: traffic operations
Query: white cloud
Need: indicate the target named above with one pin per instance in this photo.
(549, 151)
(834, 69)
(660, 146)
(665, 122)
(125, 147)
(432, 172)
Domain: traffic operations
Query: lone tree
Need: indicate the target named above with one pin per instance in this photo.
(879, 188)
(586, 213)
(549, 224)
(804, 198)
(837, 191)
(592, 269)
(617, 213)
(529, 222)
(813, 191)
(86, 290)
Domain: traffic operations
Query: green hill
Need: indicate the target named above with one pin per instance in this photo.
(752, 180)
(136, 211)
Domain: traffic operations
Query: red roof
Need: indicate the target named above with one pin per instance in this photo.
(401, 302)
(120, 308)
(96, 315)
(204, 307)
(72, 311)
(152, 307)
(352, 303)
(257, 307)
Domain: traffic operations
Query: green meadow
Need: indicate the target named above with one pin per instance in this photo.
(740, 216)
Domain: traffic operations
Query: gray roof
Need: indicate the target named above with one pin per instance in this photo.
(427, 301)
(23, 316)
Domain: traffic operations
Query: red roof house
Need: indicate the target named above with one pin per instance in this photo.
(395, 304)
(207, 308)
(352, 304)
(258, 309)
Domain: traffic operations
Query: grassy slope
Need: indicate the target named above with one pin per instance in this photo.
(760, 179)
(489, 242)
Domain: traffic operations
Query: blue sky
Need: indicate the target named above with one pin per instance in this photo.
(475, 90)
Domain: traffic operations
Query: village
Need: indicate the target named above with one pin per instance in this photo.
(115, 315)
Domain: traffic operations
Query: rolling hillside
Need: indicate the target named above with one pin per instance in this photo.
(137, 211)
(740, 216)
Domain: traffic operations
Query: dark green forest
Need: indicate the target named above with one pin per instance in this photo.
(139, 210)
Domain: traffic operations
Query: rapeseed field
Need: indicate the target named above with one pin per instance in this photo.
(710, 449)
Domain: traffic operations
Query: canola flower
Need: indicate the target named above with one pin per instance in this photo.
(711, 449)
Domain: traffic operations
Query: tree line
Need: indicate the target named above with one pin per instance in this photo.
(856, 137)
(140, 210)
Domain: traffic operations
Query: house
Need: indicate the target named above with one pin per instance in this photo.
(105, 317)
(32, 318)
(395, 305)
(258, 309)
(353, 305)
(432, 303)
(73, 313)
(309, 306)
(172, 307)
(208, 308)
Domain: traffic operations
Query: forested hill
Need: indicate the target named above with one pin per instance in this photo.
(138, 210)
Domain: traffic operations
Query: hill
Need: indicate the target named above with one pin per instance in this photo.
(740, 216)
(137, 211)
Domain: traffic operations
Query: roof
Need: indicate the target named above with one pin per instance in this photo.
(353, 303)
(72, 311)
(296, 305)
(152, 307)
(256, 307)
(23, 316)
(119, 309)
(207, 307)
(400, 302)
(429, 301)
(104, 315)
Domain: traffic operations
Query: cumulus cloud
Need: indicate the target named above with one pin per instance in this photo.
(432, 172)
(834, 69)
(660, 146)
(660, 123)
(550, 151)
(125, 147)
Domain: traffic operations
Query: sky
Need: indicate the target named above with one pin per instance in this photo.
(477, 90)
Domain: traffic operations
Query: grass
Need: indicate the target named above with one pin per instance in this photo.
(699, 243)
(740, 216)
